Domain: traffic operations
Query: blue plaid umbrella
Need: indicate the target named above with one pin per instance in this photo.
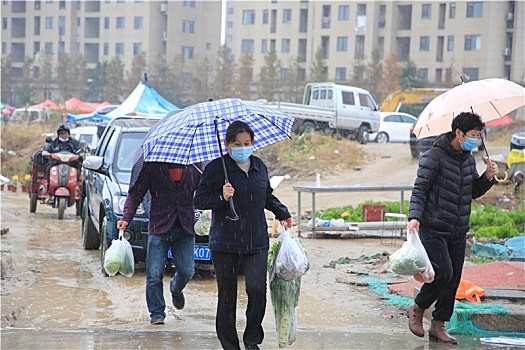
(195, 133)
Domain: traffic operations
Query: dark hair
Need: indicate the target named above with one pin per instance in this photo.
(63, 128)
(467, 121)
(237, 127)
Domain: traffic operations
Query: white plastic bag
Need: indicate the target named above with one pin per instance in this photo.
(119, 257)
(412, 259)
(291, 261)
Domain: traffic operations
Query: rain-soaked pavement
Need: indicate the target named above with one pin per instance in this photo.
(54, 297)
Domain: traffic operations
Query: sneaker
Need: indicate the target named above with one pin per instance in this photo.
(178, 300)
(157, 320)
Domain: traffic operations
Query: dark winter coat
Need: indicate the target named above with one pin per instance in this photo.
(169, 199)
(447, 181)
(252, 195)
(55, 146)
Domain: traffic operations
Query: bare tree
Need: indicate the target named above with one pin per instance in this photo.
(139, 66)
(113, 90)
(392, 75)
(375, 74)
(244, 77)
(317, 70)
(7, 80)
(222, 85)
(292, 87)
(64, 70)
(269, 78)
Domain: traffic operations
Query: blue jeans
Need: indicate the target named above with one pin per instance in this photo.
(182, 247)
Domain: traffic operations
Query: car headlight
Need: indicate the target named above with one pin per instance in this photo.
(118, 206)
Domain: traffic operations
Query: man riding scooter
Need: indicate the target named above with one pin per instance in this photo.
(63, 143)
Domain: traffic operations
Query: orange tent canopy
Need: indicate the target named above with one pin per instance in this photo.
(77, 106)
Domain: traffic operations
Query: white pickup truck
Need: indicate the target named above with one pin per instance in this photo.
(329, 107)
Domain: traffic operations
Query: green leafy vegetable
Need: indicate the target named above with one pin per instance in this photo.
(112, 261)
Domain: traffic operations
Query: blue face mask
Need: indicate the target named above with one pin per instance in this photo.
(469, 144)
(63, 140)
(240, 154)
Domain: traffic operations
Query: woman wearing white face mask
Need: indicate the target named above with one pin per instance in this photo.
(244, 240)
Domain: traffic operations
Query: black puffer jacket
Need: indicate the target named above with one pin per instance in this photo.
(447, 181)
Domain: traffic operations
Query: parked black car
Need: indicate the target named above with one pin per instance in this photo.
(106, 183)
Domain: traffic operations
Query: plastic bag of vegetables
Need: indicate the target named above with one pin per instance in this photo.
(291, 262)
(119, 258)
(412, 259)
(284, 293)
(202, 226)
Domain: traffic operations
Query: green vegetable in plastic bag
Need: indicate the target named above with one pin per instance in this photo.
(407, 261)
(202, 226)
(119, 258)
(112, 258)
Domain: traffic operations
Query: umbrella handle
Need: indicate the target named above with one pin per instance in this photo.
(496, 176)
(234, 213)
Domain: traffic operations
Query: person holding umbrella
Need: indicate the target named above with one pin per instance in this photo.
(447, 182)
(171, 224)
(241, 238)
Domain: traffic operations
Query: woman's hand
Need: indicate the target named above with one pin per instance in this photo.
(413, 225)
(287, 223)
(492, 169)
(227, 191)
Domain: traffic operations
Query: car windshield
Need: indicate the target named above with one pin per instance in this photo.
(127, 148)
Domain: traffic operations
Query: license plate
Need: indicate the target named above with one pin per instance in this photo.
(200, 252)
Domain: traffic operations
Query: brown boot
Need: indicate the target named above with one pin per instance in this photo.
(438, 333)
(415, 320)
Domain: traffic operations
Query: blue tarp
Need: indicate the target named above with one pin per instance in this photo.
(144, 100)
(512, 249)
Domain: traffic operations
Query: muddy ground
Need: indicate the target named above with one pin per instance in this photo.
(54, 296)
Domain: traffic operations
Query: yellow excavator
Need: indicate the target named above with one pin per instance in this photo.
(394, 101)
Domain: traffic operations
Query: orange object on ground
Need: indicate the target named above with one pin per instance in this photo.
(471, 292)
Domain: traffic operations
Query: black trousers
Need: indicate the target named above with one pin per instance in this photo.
(446, 251)
(227, 270)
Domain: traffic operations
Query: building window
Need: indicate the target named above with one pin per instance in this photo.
(36, 47)
(49, 47)
(301, 50)
(472, 42)
(119, 49)
(78, 26)
(62, 4)
(361, 9)
(137, 48)
(49, 22)
(138, 22)
(247, 46)
(470, 74)
(264, 46)
(248, 17)
(121, 22)
(230, 10)
(187, 52)
(229, 38)
(423, 73)
(474, 9)
(36, 72)
(188, 26)
(284, 74)
(61, 25)
(342, 43)
(439, 75)
(229, 24)
(452, 10)
(450, 43)
(4, 23)
(340, 74)
(426, 11)
(325, 20)
(359, 47)
(106, 49)
(36, 28)
(79, 5)
(287, 16)
(265, 17)
(37, 5)
(188, 3)
(382, 16)
(61, 49)
(344, 13)
(381, 45)
(424, 43)
(106, 22)
(285, 46)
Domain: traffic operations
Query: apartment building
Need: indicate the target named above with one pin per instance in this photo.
(101, 30)
(445, 39)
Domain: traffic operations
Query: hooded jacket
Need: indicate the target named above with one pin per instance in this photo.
(252, 195)
(447, 181)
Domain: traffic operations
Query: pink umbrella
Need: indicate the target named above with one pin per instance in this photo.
(490, 98)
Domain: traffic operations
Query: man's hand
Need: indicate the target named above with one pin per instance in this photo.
(46, 154)
(287, 223)
(121, 224)
(492, 169)
(227, 191)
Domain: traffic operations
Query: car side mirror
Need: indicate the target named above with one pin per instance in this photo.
(83, 144)
(96, 164)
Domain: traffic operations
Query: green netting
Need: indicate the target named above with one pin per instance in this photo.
(460, 323)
